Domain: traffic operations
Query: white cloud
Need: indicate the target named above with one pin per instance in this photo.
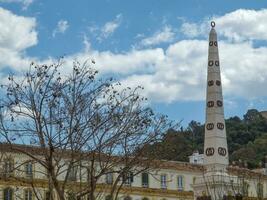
(238, 25)
(125, 64)
(163, 36)
(173, 74)
(25, 3)
(107, 29)
(193, 29)
(86, 43)
(62, 26)
(17, 34)
(244, 24)
(179, 72)
(178, 76)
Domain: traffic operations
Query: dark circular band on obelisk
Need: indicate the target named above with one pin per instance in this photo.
(212, 24)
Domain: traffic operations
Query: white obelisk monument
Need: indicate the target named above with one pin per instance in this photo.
(215, 181)
(215, 145)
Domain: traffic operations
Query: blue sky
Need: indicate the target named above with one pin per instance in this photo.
(159, 44)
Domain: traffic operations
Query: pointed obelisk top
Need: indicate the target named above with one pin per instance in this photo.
(212, 31)
(212, 23)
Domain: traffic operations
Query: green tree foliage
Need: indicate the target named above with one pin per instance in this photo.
(247, 140)
(171, 144)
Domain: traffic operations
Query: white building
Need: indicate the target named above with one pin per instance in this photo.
(196, 158)
(172, 181)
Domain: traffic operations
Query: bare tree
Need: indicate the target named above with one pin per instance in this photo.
(83, 126)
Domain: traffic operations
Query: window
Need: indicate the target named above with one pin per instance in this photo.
(245, 189)
(73, 173)
(163, 181)
(109, 178)
(180, 183)
(127, 198)
(260, 190)
(144, 179)
(71, 196)
(8, 193)
(48, 195)
(128, 178)
(108, 197)
(194, 180)
(28, 194)
(29, 169)
(88, 175)
(8, 167)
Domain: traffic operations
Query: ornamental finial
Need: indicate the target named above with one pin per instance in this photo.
(212, 24)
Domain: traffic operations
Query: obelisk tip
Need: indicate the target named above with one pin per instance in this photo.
(212, 24)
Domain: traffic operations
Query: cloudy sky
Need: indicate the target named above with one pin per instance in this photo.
(159, 44)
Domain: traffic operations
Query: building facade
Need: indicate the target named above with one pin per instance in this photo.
(172, 181)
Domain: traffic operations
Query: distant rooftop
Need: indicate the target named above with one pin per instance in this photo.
(264, 114)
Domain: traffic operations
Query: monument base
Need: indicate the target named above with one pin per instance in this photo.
(215, 185)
